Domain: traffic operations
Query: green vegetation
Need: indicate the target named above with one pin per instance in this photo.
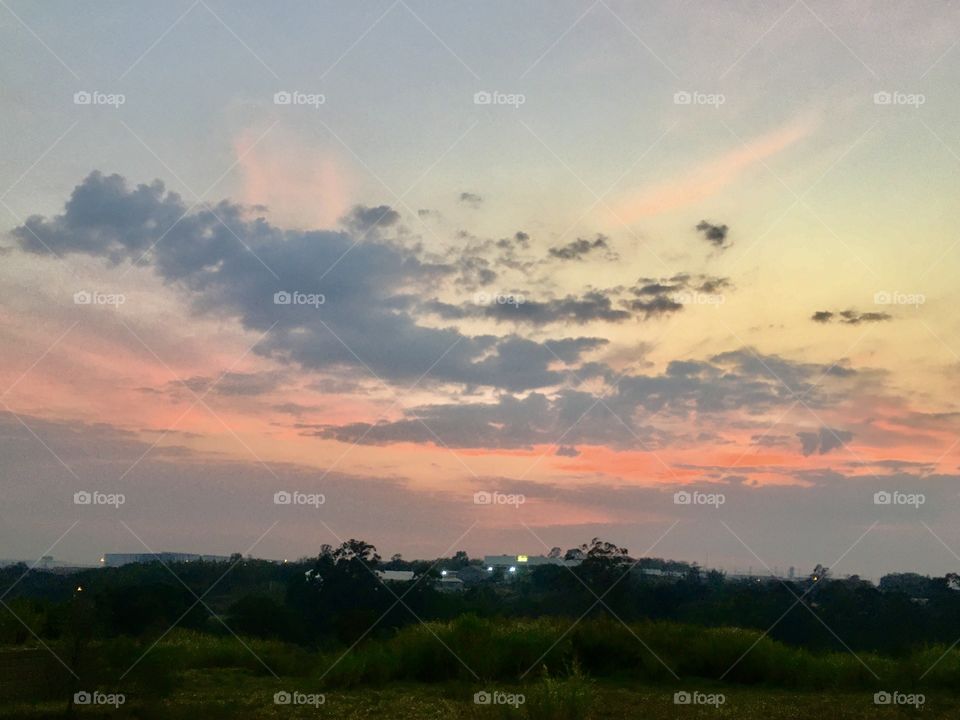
(561, 672)
(537, 646)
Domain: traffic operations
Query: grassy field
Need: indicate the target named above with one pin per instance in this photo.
(598, 670)
(225, 693)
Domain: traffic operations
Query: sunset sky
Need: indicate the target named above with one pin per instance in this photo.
(588, 253)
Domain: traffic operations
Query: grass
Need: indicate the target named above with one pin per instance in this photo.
(226, 694)
(596, 669)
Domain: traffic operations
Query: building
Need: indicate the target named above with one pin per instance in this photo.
(472, 574)
(395, 575)
(518, 563)
(120, 559)
(449, 582)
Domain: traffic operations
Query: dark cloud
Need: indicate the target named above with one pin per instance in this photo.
(850, 317)
(361, 218)
(740, 381)
(581, 247)
(232, 384)
(567, 451)
(823, 441)
(510, 422)
(657, 297)
(520, 239)
(651, 298)
(471, 199)
(233, 266)
(515, 307)
(655, 307)
(716, 235)
(769, 440)
(295, 409)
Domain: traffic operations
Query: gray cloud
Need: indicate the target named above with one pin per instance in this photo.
(716, 235)
(741, 380)
(235, 267)
(361, 218)
(850, 317)
(823, 441)
(581, 247)
(651, 298)
(471, 199)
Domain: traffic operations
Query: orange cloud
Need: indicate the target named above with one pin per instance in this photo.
(709, 178)
(302, 186)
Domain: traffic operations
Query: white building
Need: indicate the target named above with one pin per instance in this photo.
(395, 575)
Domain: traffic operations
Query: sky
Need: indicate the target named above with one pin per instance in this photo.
(495, 276)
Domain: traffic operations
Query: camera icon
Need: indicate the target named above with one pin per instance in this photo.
(82, 498)
(882, 497)
(282, 98)
(682, 497)
(282, 498)
(882, 698)
(82, 698)
(282, 298)
(882, 98)
(82, 297)
(82, 97)
(882, 298)
(482, 497)
(282, 698)
(482, 98)
(682, 98)
(482, 698)
(682, 698)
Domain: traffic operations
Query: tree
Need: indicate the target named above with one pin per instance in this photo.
(607, 552)
(357, 550)
(341, 593)
(820, 573)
